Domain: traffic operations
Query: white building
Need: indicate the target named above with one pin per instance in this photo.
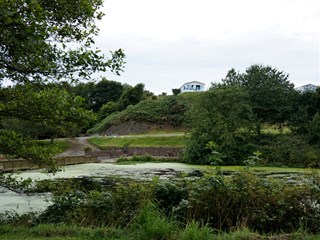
(193, 86)
(307, 88)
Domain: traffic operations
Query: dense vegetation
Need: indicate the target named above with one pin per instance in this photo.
(43, 42)
(188, 208)
(46, 50)
(227, 121)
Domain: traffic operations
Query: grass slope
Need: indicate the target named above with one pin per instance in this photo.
(168, 110)
(146, 141)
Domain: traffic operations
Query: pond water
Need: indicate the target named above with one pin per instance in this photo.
(22, 203)
(12, 201)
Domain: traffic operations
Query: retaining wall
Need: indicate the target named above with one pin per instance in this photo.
(115, 152)
(21, 164)
(94, 156)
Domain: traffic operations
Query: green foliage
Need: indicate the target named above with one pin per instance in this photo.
(131, 96)
(18, 146)
(242, 200)
(37, 41)
(107, 109)
(288, 150)
(169, 110)
(223, 116)
(98, 94)
(146, 141)
(305, 106)
(176, 91)
(152, 224)
(215, 158)
(194, 231)
(95, 207)
(314, 129)
(168, 195)
(40, 42)
(253, 159)
(54, 112)
(271, 94)
(185, 209)
(259, 203)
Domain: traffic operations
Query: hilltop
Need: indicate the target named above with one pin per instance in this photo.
(165, 112)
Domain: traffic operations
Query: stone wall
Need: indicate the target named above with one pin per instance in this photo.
(114, 152)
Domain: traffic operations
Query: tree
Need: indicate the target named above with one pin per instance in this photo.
(270, 91)
(47, 112)
(176, 91)
(131, 96)
(305, 106)
(104, 92)
(43, 41)
(221, 115)
(314, 129)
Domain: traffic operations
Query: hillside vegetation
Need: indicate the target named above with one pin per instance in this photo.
(167, 111)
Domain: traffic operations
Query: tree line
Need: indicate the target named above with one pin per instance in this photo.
(233, 113)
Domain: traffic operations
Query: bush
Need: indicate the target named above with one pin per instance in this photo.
(314, 129)
(246, 200)
(288, 150)
(96, 208)
(217, 202)
(152, 224)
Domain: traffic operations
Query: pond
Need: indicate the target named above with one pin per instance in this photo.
(12, 201)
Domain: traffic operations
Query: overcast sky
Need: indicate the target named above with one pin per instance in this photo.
(169, 42)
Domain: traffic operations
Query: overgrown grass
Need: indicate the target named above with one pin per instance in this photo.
(146, 141)
(169, 110)
(58, 146)
(157, 227)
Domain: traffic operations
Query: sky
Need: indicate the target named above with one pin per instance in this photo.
(170, 42)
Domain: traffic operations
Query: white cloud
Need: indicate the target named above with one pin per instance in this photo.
(169, 42)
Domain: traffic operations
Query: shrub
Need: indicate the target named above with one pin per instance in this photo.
(247, 200)
(314, 129)
(194, 231)
(152, 224)
(168, 195)
(288, 150)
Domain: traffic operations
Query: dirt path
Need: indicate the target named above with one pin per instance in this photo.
(80, 143)
(78, 146)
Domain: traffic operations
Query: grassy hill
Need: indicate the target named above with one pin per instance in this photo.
(167, 111)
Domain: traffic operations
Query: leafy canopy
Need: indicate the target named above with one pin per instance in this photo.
(270, 91)
(44, 40)
(222, 115)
